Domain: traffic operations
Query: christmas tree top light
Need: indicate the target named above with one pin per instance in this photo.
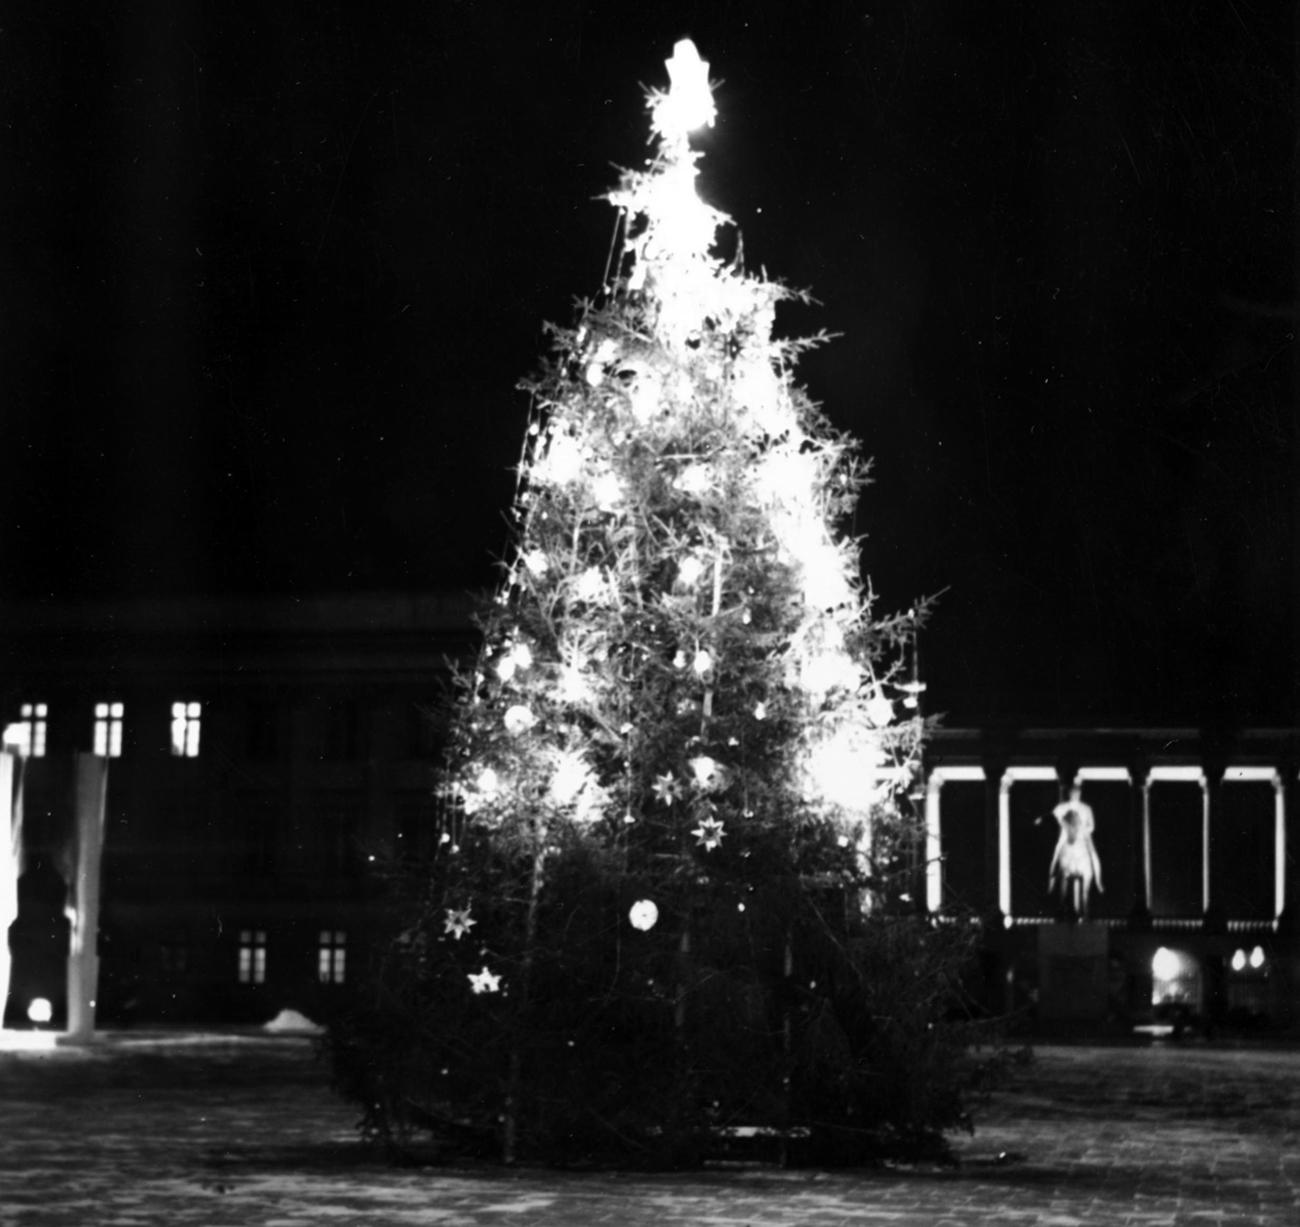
(688, 104)
(670, 255)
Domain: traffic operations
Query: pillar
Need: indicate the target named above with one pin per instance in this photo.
(1287, 949)
(997, 867)
(1215, 919)
(1005, 781)
(933, 848)
(1140, 810)
(10, 857)
(83, 955)
(1288, 852)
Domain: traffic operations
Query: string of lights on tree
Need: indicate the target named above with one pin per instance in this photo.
(683, 664)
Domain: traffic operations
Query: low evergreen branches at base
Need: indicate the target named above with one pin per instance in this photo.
(628, 1050)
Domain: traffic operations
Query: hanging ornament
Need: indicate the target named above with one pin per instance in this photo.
(702, 662)
(458, 922)
(536, 562)
(709, 833)
(880, 711)
(643, 915)
(484, 982)
(706, 771)
(666, 788)
(518, 719)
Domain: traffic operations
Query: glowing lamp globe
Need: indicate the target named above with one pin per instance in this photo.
(40, 1010)
(1165, 964)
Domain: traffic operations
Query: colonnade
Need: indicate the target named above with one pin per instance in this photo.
(999, 775)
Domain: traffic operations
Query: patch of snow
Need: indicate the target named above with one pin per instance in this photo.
(291, 1022)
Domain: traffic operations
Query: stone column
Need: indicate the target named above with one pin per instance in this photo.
(10, 838)
(1288, 865)
(83, 954)
(1286, 963)
(933, 849)
(1215, 918)
(1139, 920)
(995, 865)
(1005, 782)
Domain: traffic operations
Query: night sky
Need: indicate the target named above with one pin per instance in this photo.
(271, 273)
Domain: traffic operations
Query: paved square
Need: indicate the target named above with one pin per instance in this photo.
(241, 1130)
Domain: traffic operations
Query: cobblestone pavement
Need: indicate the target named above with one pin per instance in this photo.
(234, 1131)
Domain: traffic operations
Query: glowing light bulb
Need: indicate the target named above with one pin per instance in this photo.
(693, 479)
(590, 586)
(562, 462)
(573, 687)
(880, 711)
(827, 670)
(843, 769)
(571, 776)
(607, 491)
(518, 719)
(1166, 964)
(519, 656)
(688, 573)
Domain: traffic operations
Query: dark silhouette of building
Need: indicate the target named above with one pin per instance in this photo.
(271, 760)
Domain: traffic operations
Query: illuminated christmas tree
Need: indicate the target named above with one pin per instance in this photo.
(675, 801)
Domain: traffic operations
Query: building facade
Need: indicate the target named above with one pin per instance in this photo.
(269, 762)
(1197, 833)
(272, 763)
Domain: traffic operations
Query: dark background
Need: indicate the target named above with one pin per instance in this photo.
(271, 271)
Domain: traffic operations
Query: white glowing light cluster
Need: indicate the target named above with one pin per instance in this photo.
(670, 450)
(688, 104)
(670, 252)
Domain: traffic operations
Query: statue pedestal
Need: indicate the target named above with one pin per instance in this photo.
(1073, 964)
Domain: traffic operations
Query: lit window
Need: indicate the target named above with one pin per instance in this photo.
(26, 735)
(185, 729)
(252, 956)
(331, 963)
(108, 729)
